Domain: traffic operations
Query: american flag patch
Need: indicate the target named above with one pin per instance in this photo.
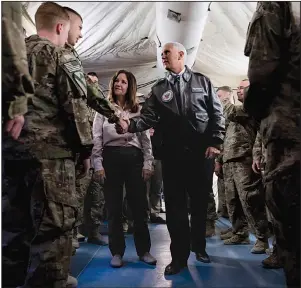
(73, 66)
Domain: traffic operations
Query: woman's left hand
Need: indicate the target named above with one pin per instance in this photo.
(146, 174)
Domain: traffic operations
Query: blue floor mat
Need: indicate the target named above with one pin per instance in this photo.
(231, 266)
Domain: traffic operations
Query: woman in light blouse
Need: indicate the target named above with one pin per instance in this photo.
(124, 159)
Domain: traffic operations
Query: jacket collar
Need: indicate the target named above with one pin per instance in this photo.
(186, 75)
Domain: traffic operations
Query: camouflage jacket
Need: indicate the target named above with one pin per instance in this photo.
(240, 134)
(56, 123)
(273, 48)
(258, 149)
(95, 98)
(17, 84)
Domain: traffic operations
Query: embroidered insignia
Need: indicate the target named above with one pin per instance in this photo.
(167, 96)
(72, 66)
(80, 80)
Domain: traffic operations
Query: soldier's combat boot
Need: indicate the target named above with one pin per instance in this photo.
(96, 238)
(71, 282)
(260, 247)
(238, 239)
(273, 261)
(226, 234)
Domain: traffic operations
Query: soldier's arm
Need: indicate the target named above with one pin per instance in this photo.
(234, 113)
(76, 115)
(97, 101)
(52, 82)
(257, 148)
(217, 119)
(264, 45)
(17, 83)
(148, 116)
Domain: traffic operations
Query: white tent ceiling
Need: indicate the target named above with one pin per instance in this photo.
(122, 35)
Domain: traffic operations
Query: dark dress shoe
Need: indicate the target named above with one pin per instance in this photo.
(174, 268)
(202, 257)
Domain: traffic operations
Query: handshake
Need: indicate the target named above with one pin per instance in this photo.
(122, 125)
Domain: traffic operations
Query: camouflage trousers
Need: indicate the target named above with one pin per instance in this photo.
(245, 198)
(38, 214)
(282, 187)
(211, 209)
(222, 205)
(81, 191)
(94, 209)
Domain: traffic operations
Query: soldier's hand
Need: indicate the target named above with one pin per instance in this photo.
(212, 152)
(99, 175)
(256, 166)
(122, 126)
(218, 169)
(146, 174)
(85, 169)
(14, 127)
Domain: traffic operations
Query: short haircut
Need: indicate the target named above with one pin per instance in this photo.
(224, 88)
(49, 14)
(92, 74)
(73, 11)
(179, 46)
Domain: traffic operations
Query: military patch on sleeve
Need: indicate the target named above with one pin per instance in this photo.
(80, 80)
(73, 66)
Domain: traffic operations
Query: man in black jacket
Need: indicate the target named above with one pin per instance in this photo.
(185, 108)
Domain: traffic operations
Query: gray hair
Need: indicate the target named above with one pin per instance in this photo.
(180, 47)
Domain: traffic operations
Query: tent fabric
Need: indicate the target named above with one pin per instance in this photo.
(121, 35)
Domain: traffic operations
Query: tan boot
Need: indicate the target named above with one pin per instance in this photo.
(227, 235)
(96, 238)
(226, 231)
(260, 247)
(71, 282)
(210, 228)
(272, 262)
(238, 239)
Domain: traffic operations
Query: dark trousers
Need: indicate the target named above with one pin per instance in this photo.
(123, 165)
(188, 172)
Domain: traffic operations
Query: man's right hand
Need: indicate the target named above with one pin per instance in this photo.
(122, 126)
(256, 167)
(218, 169)
(99, 175)
(14, 127)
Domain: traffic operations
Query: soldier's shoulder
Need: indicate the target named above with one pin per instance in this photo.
(41, 46)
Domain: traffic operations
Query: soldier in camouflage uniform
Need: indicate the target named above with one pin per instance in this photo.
(273, 261)
(17, 86)
(96, 101)
(45, 185)
(273, 46)
(243, 187)
(222, 207)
